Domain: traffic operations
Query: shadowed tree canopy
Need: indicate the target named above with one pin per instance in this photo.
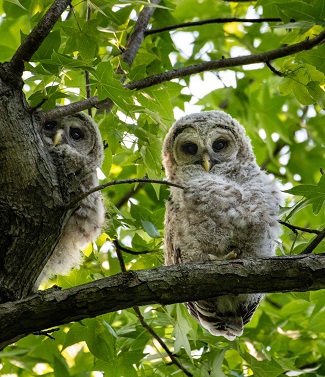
(136, 67)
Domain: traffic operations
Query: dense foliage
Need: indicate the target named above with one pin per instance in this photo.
(280, 104)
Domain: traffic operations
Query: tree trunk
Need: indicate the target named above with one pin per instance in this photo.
(31, 207)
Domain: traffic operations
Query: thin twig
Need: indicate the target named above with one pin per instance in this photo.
(125, 198)
(129, 251)
(87, 75)
(294, 228)
(160, 341)
(278, 73)
(314, 243)
(145, 324)
(36, 37)
(46, 332)
(210, 21)
(122, 182)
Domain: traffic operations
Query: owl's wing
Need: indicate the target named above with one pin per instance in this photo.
(249, 309)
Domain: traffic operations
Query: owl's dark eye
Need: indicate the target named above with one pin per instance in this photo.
(49, 126)
(219, 145)
(76, 134)
(190, 148)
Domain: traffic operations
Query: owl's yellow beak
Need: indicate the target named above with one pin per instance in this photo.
(206, 161)
(58, 137)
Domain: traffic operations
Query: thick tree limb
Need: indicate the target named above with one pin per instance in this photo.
(264, 57)
(211, 21)
(162, 285)
(33, 41)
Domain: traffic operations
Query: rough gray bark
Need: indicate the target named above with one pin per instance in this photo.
(32, 197)
(163, 285)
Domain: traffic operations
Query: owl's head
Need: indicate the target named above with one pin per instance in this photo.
(75, 138)
(209, 141)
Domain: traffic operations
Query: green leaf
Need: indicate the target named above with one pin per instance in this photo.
(150, 229)
(101, 338)
(317, 93)
(122, 365)
(317, 323)
(51, 43)
(298, 11)
(315, 193)
(181, 329)
(109, 87)
(217, 365)
(75, 334)
(16, 2)
(301, 295)
(61, 368)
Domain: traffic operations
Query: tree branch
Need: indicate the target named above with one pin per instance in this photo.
(143, 321)
(132, 48)
(212, 65)
(227, 63)
(314, 243)
(136, 38)
(118, 246)
(210, 21)
(294, 228)
(33, 41)
(163, 285)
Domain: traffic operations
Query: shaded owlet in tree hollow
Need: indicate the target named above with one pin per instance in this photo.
(76, 147)
(228, 209)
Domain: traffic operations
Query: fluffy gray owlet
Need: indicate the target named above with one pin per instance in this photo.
(228, 209)
(77, 150)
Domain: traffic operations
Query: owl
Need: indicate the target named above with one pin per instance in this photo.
(75, 144)
(228, 209)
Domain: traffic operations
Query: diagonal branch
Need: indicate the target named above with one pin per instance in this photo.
(33, 41)
(264, 57)
(136, 38)
(212, 65)
(314, 243)
(163, 285)
(143, 322)
(211, 21)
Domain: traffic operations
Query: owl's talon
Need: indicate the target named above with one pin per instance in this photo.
(231, 255)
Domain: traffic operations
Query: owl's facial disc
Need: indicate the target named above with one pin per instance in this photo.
(193, 147)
